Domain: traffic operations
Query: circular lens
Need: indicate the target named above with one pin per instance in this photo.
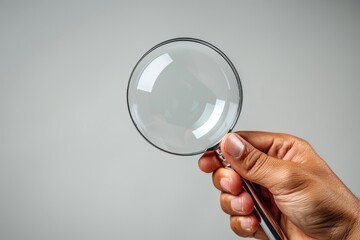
(184, 95)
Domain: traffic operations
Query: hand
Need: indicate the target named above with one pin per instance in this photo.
(304, 195)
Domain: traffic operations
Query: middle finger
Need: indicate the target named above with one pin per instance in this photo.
(241, 205)
(227, 180)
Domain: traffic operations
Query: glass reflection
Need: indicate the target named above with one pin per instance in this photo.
(213, 119)
(152, 72)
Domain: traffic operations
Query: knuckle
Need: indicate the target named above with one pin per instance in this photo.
(302, 143)
(254, 162)
(281, 146)
(296, 180)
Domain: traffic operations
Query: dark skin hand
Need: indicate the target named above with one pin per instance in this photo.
(304, 195)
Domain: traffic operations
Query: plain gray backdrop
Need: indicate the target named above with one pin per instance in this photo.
(73, 166)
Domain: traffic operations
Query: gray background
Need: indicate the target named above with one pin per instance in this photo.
(72, 166)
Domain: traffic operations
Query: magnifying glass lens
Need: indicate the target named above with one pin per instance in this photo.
(184, 95)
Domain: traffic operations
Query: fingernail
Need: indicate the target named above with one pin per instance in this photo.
(237, 205)
(234, 146)
(245, 223)
(225, 184)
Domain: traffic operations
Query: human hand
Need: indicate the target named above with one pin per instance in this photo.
(304, 195)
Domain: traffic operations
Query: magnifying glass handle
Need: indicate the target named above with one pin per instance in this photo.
(267, 221)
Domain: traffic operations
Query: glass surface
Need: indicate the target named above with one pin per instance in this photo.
(184, 95)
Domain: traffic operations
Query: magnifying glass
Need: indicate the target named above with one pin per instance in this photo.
(184, 95)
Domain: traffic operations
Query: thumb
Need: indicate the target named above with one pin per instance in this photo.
(254, 165)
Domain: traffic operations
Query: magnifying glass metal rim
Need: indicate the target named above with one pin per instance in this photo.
(207, 44)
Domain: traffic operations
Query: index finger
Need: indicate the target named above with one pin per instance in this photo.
(209, 162)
